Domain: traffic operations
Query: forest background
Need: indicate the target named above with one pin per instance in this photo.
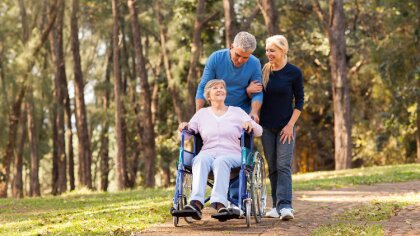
(92, 91)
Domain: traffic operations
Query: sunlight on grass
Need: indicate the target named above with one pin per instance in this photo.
(87, 213)
(363, 176)
(349, 230)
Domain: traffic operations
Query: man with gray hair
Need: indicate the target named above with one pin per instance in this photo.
(242, 73)
(240, 70)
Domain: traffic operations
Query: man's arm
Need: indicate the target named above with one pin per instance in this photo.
(255, 111)
(199, 103)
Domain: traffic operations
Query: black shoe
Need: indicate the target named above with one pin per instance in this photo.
(188, 211)
(224, 214)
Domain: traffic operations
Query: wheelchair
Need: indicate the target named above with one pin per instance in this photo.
(252, 189)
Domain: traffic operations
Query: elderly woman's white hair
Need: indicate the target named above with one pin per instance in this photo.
(210, 84)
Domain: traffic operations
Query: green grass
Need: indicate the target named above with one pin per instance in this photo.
(348, 230)
(122, 213)
(85, 213)
(362, 176)
(373, 212)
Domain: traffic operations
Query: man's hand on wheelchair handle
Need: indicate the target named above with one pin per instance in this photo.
(182, 126)
(247, 126)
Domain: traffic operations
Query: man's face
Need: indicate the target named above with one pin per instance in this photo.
(239, 56)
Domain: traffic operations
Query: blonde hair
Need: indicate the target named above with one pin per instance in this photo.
(210, 84)
(281, 42)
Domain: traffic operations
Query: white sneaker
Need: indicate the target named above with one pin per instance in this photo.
(286, 214)
(272, 213)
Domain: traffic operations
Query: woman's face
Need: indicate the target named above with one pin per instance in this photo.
(217, 93)
(273, 53)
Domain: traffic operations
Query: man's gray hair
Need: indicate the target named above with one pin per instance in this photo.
(245, 41)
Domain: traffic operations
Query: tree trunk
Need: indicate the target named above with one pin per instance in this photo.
(56, 41)
(147, 136)
(270, 14)
(340, 86)
(17, 187)
(120, 162)
(34, 188)
(195, 52)
(173, 90)
(418, 129)
(81, 123)
(230, 20)
(103, 151)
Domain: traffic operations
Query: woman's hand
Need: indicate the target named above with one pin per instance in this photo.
(247, 126)
(182, 126)
(287, 134)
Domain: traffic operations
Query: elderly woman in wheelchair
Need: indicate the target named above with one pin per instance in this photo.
(220, 128)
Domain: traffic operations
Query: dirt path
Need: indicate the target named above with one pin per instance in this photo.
(313, 209)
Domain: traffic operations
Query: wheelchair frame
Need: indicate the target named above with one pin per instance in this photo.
(252, 189)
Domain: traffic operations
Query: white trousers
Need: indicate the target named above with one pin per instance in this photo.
(220, 165)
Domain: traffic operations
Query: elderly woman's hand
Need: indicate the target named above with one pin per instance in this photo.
(247, 126)
(182, 126)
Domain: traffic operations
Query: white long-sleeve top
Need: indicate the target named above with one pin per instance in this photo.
(221, 134)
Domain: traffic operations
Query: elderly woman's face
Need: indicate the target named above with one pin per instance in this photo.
(217, 93)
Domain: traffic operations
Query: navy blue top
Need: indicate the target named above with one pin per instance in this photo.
(283, 86)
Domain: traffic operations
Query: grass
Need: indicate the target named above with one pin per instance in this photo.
(351, 177)
(365, 220)
(343, 229)
(123, 213)
(85, 213)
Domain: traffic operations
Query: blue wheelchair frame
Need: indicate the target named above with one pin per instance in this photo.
(245, 168)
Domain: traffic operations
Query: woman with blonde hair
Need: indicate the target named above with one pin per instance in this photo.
(282, 105)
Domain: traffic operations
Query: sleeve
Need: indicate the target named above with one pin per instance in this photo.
(208, 74)
(257, 129)
(257, 76)
(298, 91)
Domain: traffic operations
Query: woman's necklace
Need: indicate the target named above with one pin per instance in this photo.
(277, 68)
(220, 111)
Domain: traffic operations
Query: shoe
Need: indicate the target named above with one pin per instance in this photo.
(224, 214)
(272, 213)
(286, 214)
(188, 211)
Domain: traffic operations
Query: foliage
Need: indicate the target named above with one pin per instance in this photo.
(349, 230)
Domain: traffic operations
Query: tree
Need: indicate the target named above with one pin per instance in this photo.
(230, 21)
(147, 136)
(270, 14)
(335, 27)
(121, 159)
(85, 158)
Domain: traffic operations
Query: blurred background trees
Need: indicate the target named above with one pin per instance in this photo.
(100, 86)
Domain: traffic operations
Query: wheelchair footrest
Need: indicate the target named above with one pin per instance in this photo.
(183, 213)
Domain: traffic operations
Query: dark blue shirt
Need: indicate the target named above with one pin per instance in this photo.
(283, 87)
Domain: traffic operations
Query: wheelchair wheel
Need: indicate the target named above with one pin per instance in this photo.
(186, 190)
(180, 205)
(248, 212)
(258, 188)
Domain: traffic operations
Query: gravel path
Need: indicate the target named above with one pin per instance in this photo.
(313, 209)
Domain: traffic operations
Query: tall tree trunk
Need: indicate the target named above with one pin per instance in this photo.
(340, 86)
(230, 21)
(56, 41)
(103, 151)
(120, 162)
(270, 15)
(81, 123)
(147, 136)
(34, 188)
(172, 87)
(17, 187)
(195, 54)
(69, 138)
